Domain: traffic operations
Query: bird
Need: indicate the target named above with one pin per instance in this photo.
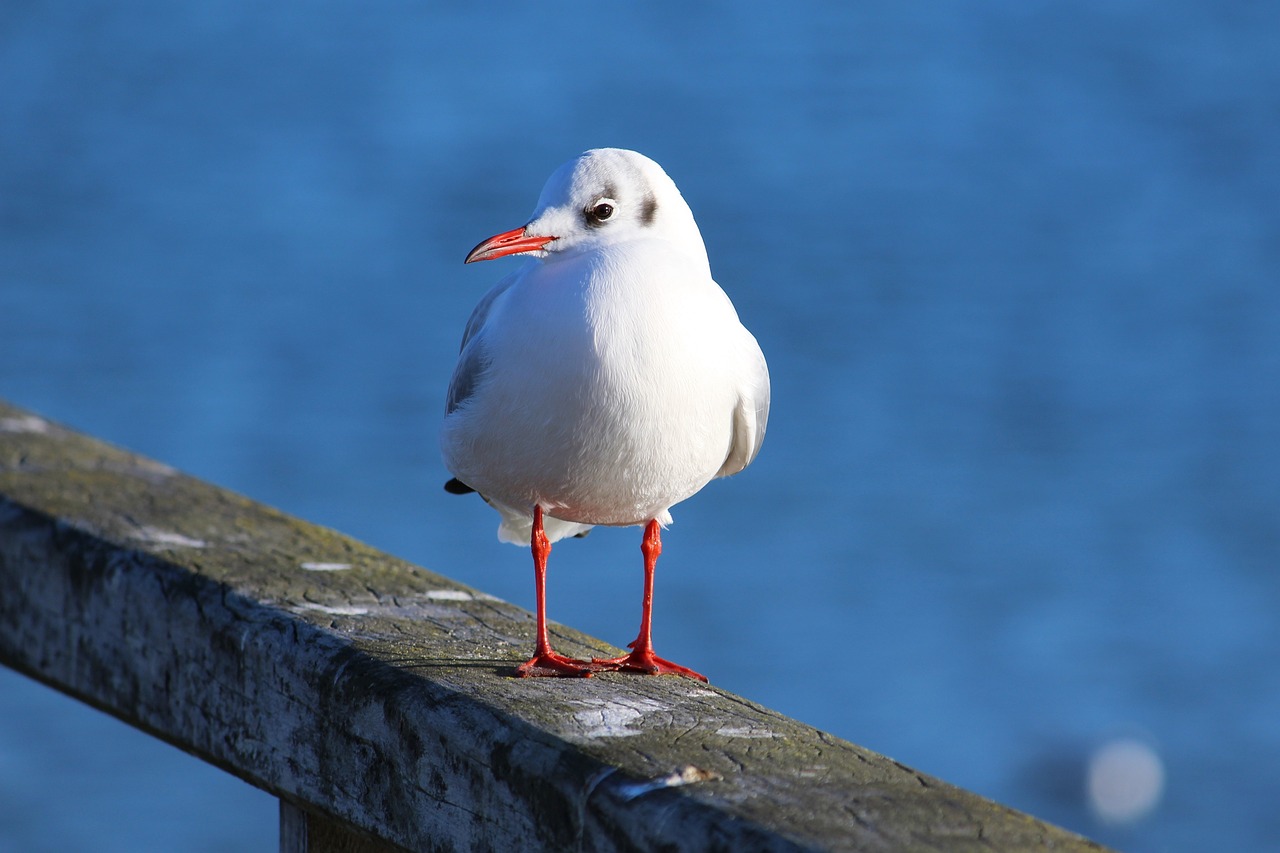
(604, 381)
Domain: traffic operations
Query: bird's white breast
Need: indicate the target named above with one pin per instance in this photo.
(610, 386)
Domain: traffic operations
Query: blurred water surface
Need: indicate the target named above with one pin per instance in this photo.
(1014, 268)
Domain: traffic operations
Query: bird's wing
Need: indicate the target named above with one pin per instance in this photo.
(750, 417)
(480, 313)
(471, 358)
(466, 375)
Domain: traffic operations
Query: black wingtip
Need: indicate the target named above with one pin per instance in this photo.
(457, 487)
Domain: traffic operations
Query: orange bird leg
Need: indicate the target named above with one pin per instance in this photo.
(544, 661)
(642, 659)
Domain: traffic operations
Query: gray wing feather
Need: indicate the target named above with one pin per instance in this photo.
(481, 312)
(466, 376)
(472, 360)
(750, 417)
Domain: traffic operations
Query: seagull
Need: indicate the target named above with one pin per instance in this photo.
(604, 381)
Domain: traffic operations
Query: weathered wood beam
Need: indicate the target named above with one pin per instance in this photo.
(372, 693)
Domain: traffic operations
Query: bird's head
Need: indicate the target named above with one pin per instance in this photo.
(602, 197)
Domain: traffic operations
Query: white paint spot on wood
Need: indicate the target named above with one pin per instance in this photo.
(150, 466)
(325, 567)
(167, 538)
(745, 732)
(686, 775)
(614, 717)
(340, 610)
(24, 423)
(449, 595)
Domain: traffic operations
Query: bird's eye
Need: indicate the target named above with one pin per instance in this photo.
(600, 211)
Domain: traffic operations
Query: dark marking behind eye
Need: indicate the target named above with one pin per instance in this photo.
(648, 210)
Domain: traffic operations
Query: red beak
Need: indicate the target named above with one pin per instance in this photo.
(511, 242)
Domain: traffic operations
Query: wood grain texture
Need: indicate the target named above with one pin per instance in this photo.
(378, 693)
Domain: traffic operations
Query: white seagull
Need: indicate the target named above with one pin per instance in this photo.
(604, 381)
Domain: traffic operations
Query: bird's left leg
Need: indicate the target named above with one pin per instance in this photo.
(642, 659)
(545, 662)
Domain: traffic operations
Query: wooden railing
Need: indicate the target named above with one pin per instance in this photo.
(373, 697)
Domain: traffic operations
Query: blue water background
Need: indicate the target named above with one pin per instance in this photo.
(1014, 266)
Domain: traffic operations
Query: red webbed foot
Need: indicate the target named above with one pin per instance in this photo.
(646, 662)
(548, 664)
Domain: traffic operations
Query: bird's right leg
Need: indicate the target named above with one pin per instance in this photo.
(544, 661)
(642, 659)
